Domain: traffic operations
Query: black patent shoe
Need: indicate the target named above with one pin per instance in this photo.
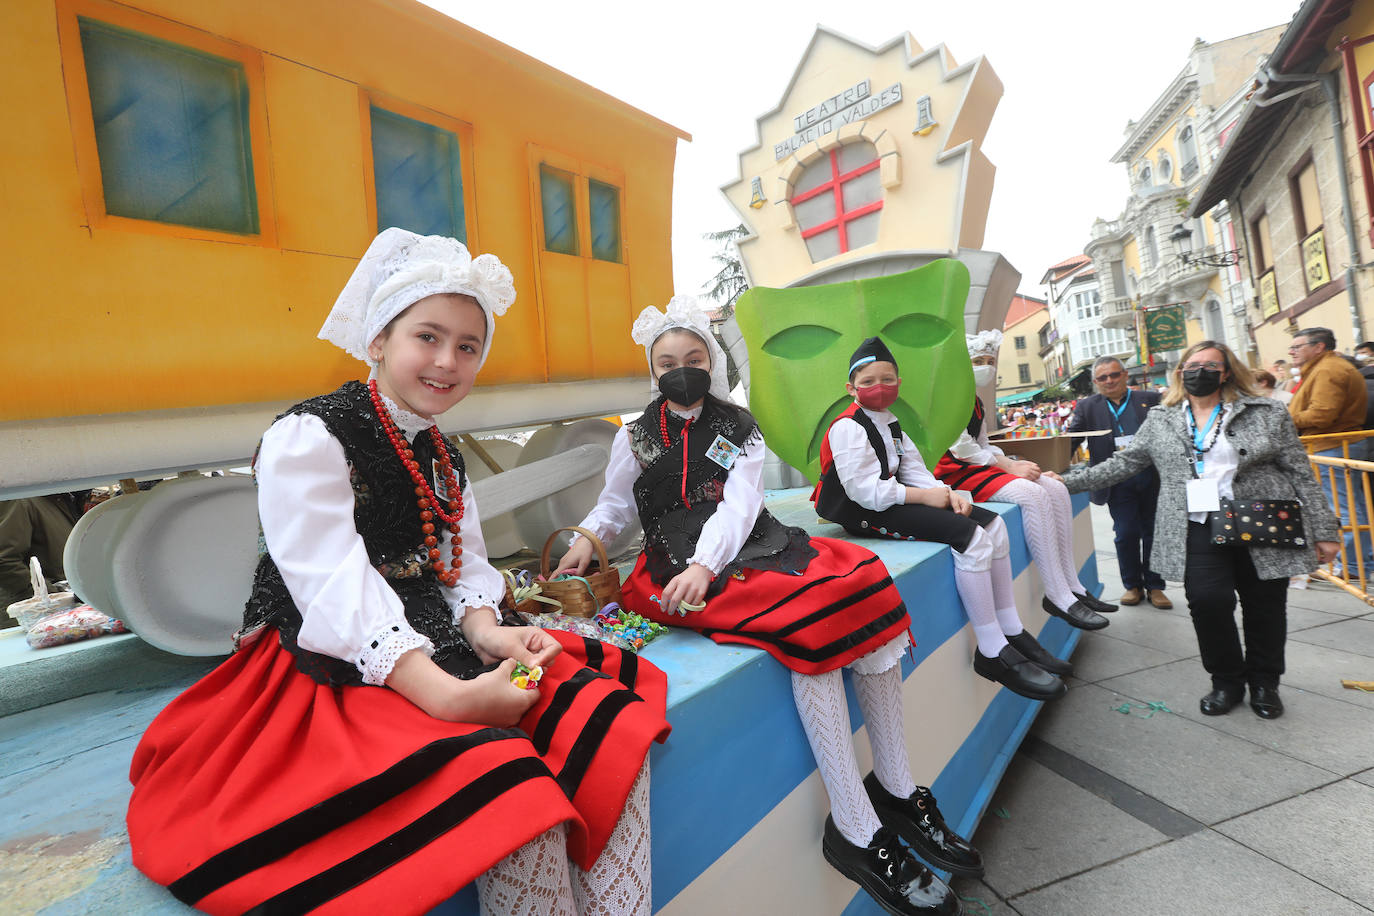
(1019, 674)
(889, 873)
(1030, 647)
(1093, 603)
(917, 820)
(1221, 700)
(1077, 614)
(1265, 702)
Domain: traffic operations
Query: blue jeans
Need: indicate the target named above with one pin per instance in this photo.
(1334, 479)
(1132, 505)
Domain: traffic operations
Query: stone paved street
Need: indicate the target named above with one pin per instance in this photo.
(1147, 811)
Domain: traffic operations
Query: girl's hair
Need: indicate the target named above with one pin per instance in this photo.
(1239, 381)
(1265, 378)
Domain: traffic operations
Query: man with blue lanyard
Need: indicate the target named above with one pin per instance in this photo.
(1131, 502)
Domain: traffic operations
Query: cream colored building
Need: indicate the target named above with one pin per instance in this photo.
(1020, 370)
(871, 164)
(1154, 254)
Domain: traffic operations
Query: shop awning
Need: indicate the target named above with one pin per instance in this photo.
(1018, 397)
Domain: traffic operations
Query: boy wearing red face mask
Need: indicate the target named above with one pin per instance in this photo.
(874, 483)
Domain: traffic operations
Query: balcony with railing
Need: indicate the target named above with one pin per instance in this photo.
(1189, 169)
(1118, 313)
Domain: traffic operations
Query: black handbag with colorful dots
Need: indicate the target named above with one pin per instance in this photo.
(1257, 523)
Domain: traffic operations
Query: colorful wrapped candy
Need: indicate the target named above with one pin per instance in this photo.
(526, 678)
(630, 627)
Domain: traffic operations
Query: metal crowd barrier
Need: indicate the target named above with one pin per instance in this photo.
(1348, 572)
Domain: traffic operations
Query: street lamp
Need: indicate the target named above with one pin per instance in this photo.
(1182, 238)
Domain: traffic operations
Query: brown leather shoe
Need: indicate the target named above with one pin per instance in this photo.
(1160, 600)
(1132, 596)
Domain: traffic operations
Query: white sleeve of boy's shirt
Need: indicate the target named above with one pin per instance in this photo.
(305, 504)
(856, 465)
(615, 507)
(479, 584)
(911, 468)
(723, 535)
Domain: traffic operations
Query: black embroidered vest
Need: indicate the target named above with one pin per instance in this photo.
(975, 422)
(673, 524)
(385, 513)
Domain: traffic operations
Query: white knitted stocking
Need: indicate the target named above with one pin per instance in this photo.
(618, 883)
(1039, 522)
(975, 590)
(1062, 504)
(825, 717)
(880, 698)
(1008, 618)
(533, 879)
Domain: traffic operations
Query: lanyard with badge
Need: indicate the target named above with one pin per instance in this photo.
(1203, 492)
(1122, 440)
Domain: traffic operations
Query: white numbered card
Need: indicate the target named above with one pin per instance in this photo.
(723, 452)
(440, 485)
(1203, 495)
(1123, 441)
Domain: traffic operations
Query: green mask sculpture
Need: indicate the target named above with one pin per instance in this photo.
(800, 340)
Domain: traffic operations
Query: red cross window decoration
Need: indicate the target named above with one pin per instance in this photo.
(838, 199)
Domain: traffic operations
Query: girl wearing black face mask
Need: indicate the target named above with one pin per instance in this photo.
(1213, 437)
(691, 469)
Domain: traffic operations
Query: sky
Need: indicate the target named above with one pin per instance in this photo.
(1074, 73)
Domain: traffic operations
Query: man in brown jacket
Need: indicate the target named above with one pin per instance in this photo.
(1331, 399)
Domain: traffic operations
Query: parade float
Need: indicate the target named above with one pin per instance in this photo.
(164, 319)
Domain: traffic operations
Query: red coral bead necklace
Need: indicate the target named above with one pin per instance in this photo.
(425, 498)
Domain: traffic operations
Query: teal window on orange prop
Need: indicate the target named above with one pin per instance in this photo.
(558, 203)
(171, 130)
(604, 201)
(417, 171)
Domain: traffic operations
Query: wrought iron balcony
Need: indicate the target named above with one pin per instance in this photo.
(1189, 169)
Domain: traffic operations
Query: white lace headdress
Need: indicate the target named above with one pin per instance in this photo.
(399, 269)
(683, 312)
(984, 343)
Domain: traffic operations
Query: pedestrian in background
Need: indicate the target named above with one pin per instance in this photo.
(1332, 398)
(1131, 501)
(1268, 386)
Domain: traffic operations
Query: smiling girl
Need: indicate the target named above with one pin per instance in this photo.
(365, 749)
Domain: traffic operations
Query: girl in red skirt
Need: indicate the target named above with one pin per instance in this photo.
(690, 469)
(365, 748)
(975, 465)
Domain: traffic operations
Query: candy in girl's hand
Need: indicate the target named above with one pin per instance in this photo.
(526, 678)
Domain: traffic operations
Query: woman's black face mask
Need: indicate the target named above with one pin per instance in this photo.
(1201, 382)
(685, 385)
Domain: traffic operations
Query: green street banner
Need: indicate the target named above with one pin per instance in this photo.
(1165, 329)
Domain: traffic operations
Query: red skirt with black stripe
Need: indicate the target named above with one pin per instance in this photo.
(259, 788)
(982, 480)
(842, 607)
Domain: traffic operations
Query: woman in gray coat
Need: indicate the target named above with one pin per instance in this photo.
(1214, 436)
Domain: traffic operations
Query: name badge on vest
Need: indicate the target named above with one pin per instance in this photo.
(723, 452)
(440, 485)
(1123, 441)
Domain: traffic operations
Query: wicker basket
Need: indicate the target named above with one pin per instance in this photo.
(582, 596)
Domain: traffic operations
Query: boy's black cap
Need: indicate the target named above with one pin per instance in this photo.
(870, 351)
